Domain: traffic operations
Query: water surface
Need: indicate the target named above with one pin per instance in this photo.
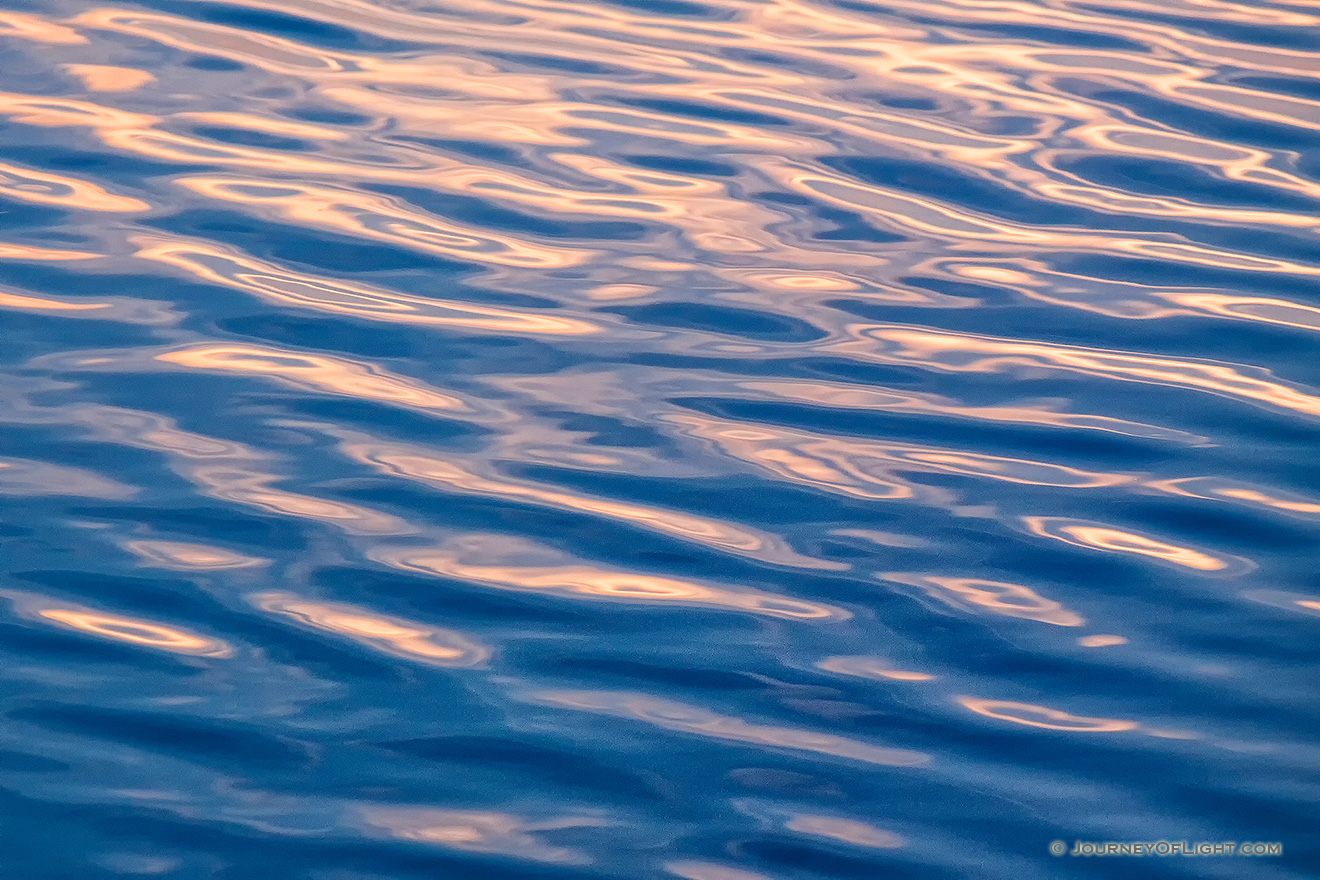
(714, 439)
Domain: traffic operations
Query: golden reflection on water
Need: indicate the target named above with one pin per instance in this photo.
(1034, 279)
(390, 635)
(1041, 716)
(43, 188)
(43, 304)
(476, 831)
(977, 595)
(287, 288)
(690, 869)
(870, 667)
(147, 430)
(1266, 310)
(451, 89)
(944, 85)
(59, 112)
(1230, 491)
(1096, 536)
(252, 488)
(868, 469)
(316, 372)
(106, 78)
(451, 475)
(1101, 641)
(38, 29)
(133, 631)
(122, 309)
(587, 581)
(927, 218)
(185, 556)
(958, 352)
(859, 397)
(229, 471)
(26, 252)
(683, 718)
(25, 477)
(285, 56)
(845, 830)
(380, 219)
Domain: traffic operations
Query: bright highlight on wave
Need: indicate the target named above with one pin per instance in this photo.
(476, 831)
(1042, 716)
(316, 372)
(133, 631)
(185, 556)
(1096, 536)
(586, 581)
(977, 596)
(390, 635)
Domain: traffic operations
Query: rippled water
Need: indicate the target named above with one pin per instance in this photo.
(657, 438)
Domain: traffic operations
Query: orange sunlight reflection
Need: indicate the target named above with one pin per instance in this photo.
(870, 667)
(287, 288)
(452, 475)
(844, 830)
(1040, 716)
(477, 831)
(975, 595)
(400, 638)
(1096, 536)
(315, 372)
(105, 78)
(576, 579)
(136, 632)
(184, 556)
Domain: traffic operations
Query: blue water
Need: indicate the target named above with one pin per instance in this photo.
(729, 440)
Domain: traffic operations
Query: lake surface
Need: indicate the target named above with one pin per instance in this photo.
(651, 439)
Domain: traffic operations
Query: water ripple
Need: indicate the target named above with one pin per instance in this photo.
(716, 439)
